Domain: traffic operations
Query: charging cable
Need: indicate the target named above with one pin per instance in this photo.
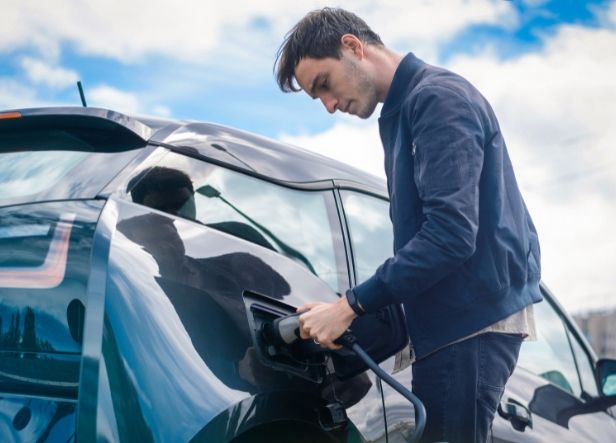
(285, 330)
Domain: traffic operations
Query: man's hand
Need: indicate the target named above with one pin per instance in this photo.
(325, 322)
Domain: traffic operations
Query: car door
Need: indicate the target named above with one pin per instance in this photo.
(547, 397)
(371, 240)
(195, 251)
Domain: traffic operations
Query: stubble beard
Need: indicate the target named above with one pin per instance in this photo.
(368, 109)
(365, 87)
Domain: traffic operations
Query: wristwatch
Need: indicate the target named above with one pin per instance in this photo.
(354, 303)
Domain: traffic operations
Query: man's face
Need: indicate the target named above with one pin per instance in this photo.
(344, 85)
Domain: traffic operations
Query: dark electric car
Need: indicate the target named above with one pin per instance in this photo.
(140, 260)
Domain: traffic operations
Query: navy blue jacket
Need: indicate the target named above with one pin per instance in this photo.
(466, 249)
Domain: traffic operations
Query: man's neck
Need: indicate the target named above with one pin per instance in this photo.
(386, 62)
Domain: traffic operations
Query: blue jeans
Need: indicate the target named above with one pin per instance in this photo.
(462, 384)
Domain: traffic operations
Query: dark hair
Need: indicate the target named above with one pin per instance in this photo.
(318, 35)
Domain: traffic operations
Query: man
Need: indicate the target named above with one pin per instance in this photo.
(466, 253)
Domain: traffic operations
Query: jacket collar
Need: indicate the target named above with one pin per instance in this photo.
(405, 78)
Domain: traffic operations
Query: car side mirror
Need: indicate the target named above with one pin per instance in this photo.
(606, 374)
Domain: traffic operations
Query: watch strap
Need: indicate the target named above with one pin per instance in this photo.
(354, 303)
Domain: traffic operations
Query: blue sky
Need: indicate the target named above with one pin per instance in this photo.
(548, 68)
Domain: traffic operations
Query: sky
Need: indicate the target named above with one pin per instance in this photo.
(547, 67)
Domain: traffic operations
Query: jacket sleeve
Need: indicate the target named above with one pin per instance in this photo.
(448, 139)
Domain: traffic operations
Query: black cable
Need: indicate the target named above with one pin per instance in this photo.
(420, 411)
(380, 384)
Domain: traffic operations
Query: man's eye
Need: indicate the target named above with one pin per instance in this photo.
(324, 86)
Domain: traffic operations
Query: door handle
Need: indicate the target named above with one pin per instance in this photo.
(518, 415)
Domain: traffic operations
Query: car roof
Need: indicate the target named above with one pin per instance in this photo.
(240, 149)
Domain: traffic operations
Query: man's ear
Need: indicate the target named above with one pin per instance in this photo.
(353, 43)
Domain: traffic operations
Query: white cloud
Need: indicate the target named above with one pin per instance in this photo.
(41, 72)
(15, 95)
(578, 247)
(612, 13)
(190, 30)
(213, 43)
(105, 96)
(126, 30)
(556, 108)
(422, 25)
(162, 111)
(354, 143)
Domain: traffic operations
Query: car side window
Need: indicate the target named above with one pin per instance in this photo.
(585, 368)
(301, 224)
(370, 230)
(550, 356)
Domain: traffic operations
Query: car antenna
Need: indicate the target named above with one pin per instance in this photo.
(83, 97)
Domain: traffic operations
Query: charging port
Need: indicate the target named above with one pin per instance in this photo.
(302, 358)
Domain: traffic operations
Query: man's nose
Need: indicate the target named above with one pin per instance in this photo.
(330, 103)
